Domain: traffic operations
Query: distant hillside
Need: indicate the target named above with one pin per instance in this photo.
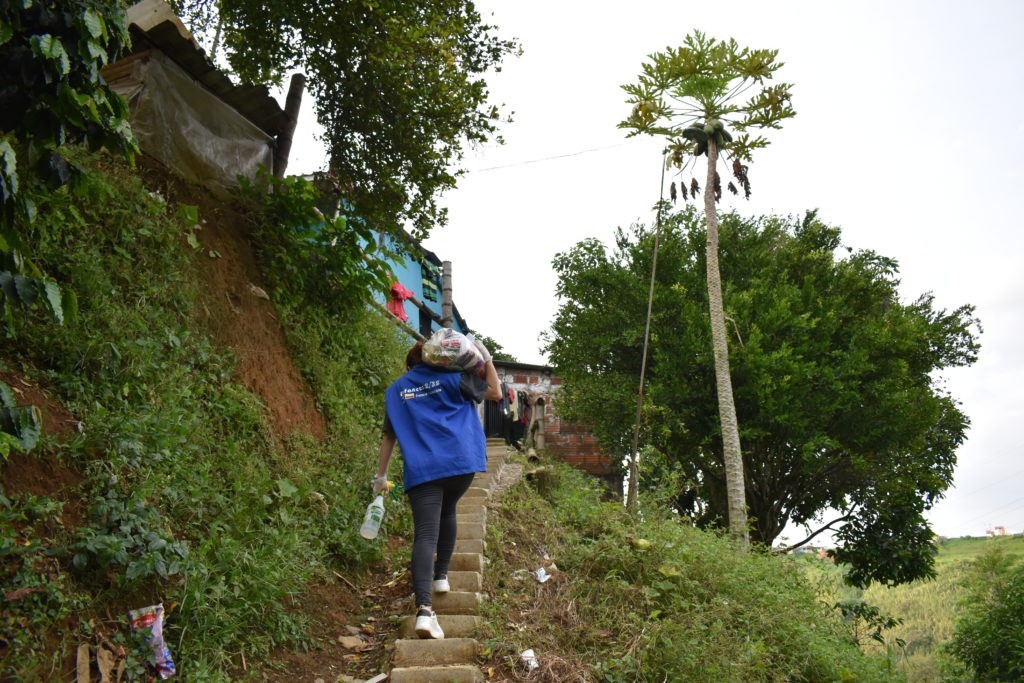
(967, 548)
(929, 609)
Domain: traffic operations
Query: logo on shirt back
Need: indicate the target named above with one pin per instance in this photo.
(422, 391)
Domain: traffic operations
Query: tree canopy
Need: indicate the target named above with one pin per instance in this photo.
(398, 87)
(836, 388)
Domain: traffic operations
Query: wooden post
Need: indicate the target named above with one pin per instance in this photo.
(446, 294)
(291, 114)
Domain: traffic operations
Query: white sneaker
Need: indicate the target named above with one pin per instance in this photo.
(441, 585)
(426, 624)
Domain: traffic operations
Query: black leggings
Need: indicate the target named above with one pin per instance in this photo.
(433, 515)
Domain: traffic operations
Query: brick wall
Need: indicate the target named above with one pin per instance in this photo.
(571, 443)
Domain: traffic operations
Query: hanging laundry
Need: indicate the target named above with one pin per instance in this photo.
(524, 407)
(431, 282)
(396, 300)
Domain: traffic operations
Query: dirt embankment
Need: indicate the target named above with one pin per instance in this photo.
(235, 311)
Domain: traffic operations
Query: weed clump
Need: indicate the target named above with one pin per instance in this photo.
(649, 598)
(188, 494)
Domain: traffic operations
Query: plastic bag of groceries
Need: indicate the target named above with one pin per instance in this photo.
(451, 350)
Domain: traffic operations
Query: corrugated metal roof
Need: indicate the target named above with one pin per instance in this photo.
(254, 102)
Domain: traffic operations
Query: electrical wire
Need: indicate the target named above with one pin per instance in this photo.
(552, 158)
(631, 494)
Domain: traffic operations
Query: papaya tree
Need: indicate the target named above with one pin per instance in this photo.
(709, 98)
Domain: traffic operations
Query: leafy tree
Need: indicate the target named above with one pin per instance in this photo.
(835, 380)
(688, 95)
(51, 94)
(988, 634)
(397, 87)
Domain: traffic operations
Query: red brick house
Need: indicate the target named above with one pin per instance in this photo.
(535, 388)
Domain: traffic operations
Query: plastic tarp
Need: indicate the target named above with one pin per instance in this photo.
(181, 123)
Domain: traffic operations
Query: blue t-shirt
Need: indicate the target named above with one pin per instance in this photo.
(436, 425)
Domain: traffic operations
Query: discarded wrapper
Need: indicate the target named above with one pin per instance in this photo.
(152, 618)
(542, 575)
(529, 660)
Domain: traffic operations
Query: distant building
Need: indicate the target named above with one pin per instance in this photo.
(528, 416)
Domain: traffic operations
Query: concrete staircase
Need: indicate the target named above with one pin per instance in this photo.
(453, 660)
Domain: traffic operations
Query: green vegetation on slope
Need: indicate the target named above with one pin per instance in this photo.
(930, 611)
(188, 496)
(965, 549)
(652, 599)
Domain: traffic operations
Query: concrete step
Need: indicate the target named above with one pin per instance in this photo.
(477, 517)
(467, 562)
(462, 673)
(470, 530)
(470, 507)
(453, 625)
(417, 652)
(466, 582)
(484, 481)
(475, 493)
(470, 545)
(456, 603)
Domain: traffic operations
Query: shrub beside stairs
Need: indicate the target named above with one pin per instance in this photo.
(453, 659)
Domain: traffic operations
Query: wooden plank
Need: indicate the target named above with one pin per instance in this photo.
(405, 328)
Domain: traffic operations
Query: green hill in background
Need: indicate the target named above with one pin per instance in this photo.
(930, 609)
(967, 548)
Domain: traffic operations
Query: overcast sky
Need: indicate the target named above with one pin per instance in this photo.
(909, 136)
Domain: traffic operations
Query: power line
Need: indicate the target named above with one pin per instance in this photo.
(995, 511)
(552, 158)
(1001, 480)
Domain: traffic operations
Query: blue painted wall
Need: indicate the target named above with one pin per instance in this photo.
(410, 274)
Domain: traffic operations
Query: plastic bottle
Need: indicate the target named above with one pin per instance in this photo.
(374, 516)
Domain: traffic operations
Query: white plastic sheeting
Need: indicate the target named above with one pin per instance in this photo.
(184, 125)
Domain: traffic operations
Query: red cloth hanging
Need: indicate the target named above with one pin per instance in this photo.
(396, 300)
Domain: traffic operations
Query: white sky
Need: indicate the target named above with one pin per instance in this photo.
(909, 136)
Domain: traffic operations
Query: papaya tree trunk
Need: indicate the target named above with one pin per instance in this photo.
(731, 453)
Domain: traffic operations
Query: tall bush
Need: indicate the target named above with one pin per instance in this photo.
(989, 637)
